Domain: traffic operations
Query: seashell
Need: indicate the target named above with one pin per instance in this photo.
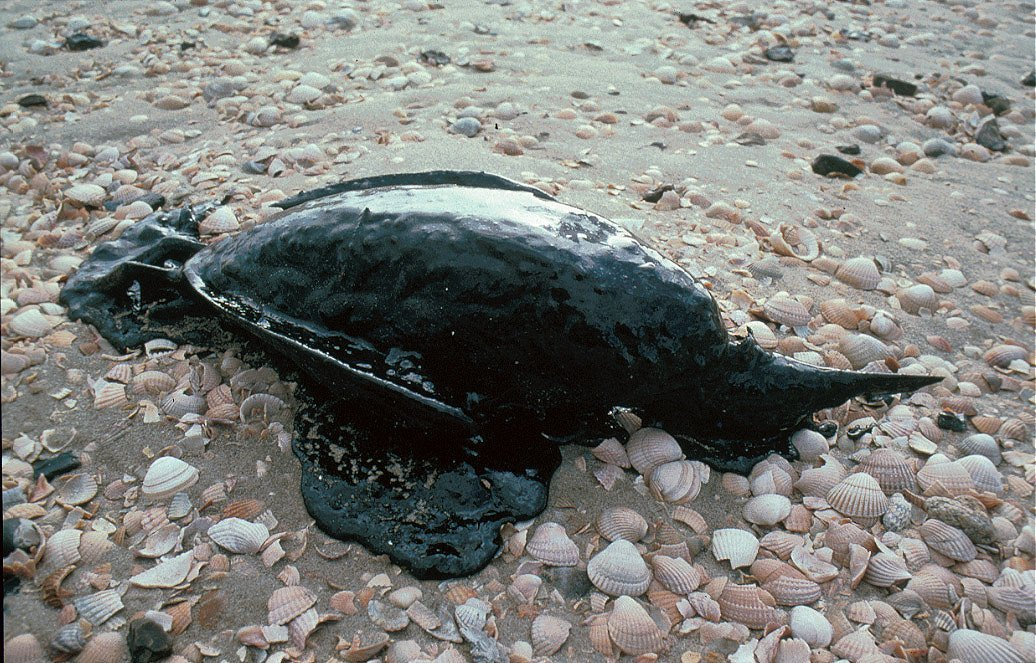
(840, 312)
(736, 546)
(915, 553)
(858, 496)
(916, 297)
(619, 569)
(981, 569)
(883, 326)
(260, 407)
(551, 545)
(691, 518)
(62, 549)
(220, 220)
(99, 607)
(120, 373)
(1014, 429)
(982, 444)
(1000, 356)
(811, 626)
(766, 510)
(950, 478)
(179, 403)
(735, 484)
(748, 605)
(934, 591)
(179, 506)
(818, 481)
(810, 444)
(24, 648)
(169, 573)
(611, 451)
(632, 629)
(792, 591)
(287, 603)
(107, 647)
(676, 574)
(861, 612)
(88, 195)
(781, 543)
(549, 634)
(1018, 601)
(31, 323)
(861, 273)
(620, 522)
(677, 481)
(110, 394)
(650, 447)
(167, 476)
(856, 645)
(840, 535)
(969, 646)
(861, 349)
(245, 509)
(792, 651)
(899, 513)
(160, 541)
(885, 570)
(599, 638)
(76, 489)
(890, 469)
(239, 536)
(762, 334)
(69, 639)
(386, 616)
(153, 382)
(786, 311)
(795, 242)
(983, 473)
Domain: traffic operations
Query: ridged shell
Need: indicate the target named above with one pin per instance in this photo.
(108, 647)
(153, 382)
(62, 549)
(795, 241)
(677, 482)
(260, 407)
(632, 629)
(736, 546)
(551, 545)
(982, 444)
(110, 394)
(781, 543)
(856, 645)
(735, 484)
(858, 496)
(169, 573)
(1019, 601)
(239, 536)
(748, 605)
(99, 607)
(31, 323)
(969, 646)
(840, 535)
(76, 489)
(24, 648)
(934, 591)
(948, 540)
(179, 506)
(69, 639)
(840, 312)
(818, 481)
(287, 603)
(946, 477)
(611, 451)
(549, 634)
(983, 473)
(890, 469)
(620, 522)
(766, 510)
(810, 444)
(860, 272)
(221, 220)
(160, 541)
(167, 476)
(861, 349)
(650, 447)
(676, 574)
(1001, 356)
(811, 626)
(786, 311)
(178, 404)
(885, 570)
(913, 298)
(762, 334)
(792, 591)
(619, 569)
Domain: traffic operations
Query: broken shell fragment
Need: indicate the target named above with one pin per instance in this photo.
(287, 603)
(735, 546)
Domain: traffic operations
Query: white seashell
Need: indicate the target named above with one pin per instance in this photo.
(167, 476)
(676, 574)
(861, 349)
(787, 311)
(619, 569)
(969, 646)
(811, 626)
(650, 447)
(62, 549)
(76, 489)
(677, 482)
(220, 220)
(858, 496)
(99, 607)
(260, 407)
(620, 522)
(160, 541)
(983, 473)
(810, 444)
(178, 404)
(550, 544)
(982, 444)
(287, 603)
(818, 481)
(766, 510)
(169, 573)
(30, 323)
(940, 476)
(239, 536)
(916, 297)
(860, 272)
(632, 629)
(736, 546)
(549, 634)
(386, 616)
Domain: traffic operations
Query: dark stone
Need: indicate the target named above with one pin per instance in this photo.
(19, 533)
(30, 100)
(433, 57)
(571, 581)
(82, 42)
(12, 583)
(284, 40)
(655, 194)
(691, 20)
(148, 642)
(999, 104)
(65, 461)
(187, 45)
(154, 200)
(780, 53)
(1030, 80)
(989, 137)
(829, 165)
(951, 421)
(901, 88)
(749, 138)
(254, 167)
(851, 150)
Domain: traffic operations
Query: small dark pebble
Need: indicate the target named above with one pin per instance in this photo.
(749, 138)
(999, 104)
(856, 432)
(989, 136)
(829, 165)
(780, 53)
(433, 57)
(82, 42)
(828, 428)
(19, 533)
(855, 35)
(659, 144)
(12, 583)
(690, 19)
(571, 581)
(1030, 80)
(254, 167)
(154, 200)
(655, 194)
(148, 642)
(56, 466)
(901, 88)
(31, 100)
(951, 421)
(187, 45)
(284, 41)
(849, 149)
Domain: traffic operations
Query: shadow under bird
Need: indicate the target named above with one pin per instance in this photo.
(452, 328)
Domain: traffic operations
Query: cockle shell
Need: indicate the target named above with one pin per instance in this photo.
(632, 629)
(69, 639)
(795, 241)
(107, 647)
(239, 536)
(787, 311)
(793, 591)
(861, 349)
(549, 634)
(179, 403)
(76, 489)
(736, 546)
(287, 603)
(167, 476)
(62, 549)
(916, 297)
(885, 570)
(676, 574)
(386, 616)
(811, 626)
(160, 541)
(810, 444)
(983, 473)
(942, 475)
(818, 481)
(619, 569)
(856, 645)
(551, 545)
(24, 648)
(153, 382)
(840, 312)
(840, 535)
(860, 272)
(31, 323)
(781, 543)
(748, 605)
(611, 451)
(948, 540)
(220, 220)
(982, 444)
(969, 646)
(169, 573)
(1018, 601)
(677, 481)
(766, 510)
(110, 394)
(99, 607)
(650, 447)
(260, 407)
(1000, 356)
(890, 469)
(620, 522)
(858, 496)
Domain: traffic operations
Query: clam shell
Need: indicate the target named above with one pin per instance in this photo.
(386, 616)
(153, 382)
(676, 574)
(982, 444)
(791, 591)
(762, 334)
(858, 496)
(551, 545)
(969, 646)
(940, 476)
(76, 489)
(220, 220)
(810, 444)
(24, 648)
(632, 629)
(179, 403)
(811, 626)
(99, 607)
(677, 481)
(1000, 356)
(239, 536)
(1018, 601)
(890, 469)
(736, 546)
(287, 603)
(169, 573)
(611, 451)
(766, 510)
(885, 570)
(916, 297)
(69, 639)
(860, 272)
(818, 481)
(948, 540)
(796, 242)
(735, 484)
(840, 535)
(620, 522)
(840, 312)
(62, 549)
(861, 349)
(934, 591)
(748, 605)
(90, 195)
(260, 407)
(31, 323)
(160, 541)
(619, 569)
(781, 543)
(108, 647)
(983, 473)
(167, 476)
(650, 447)
(787, 311)
(549, 634)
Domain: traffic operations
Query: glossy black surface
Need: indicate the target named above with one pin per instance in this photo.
(455, 326)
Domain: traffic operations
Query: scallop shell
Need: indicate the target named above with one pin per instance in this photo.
(239, 536)
(611, 451)
(748, 605)
(736, 546)
(890, 469)
(948, 540)
(620, 522)
(1014, 429)
(793, 591)
(948, 478)
(551, 545)
(885, 570)
(169, 573)
(969, 646)
(287, 603)
(650, 447)
(99, 607)
(677, 482)
(549, 634)
(735, 484)
(619, 569)
(676, 574)
(31, 323)
(842, 313)
(818, 481)
(766, 510)
(1000, 356)
(786, 311)
(916, 297)
(632, 629)
(62, 549)
(179, 403)
(810, 444)
(840, 535)
(811, 626)
(860, 272)
(861, 349)
(858, 496)
(76, 489)
(69, 639)
(856, 646)
(167, 476)
(153, 382)
(108, 647)
(1019, 601)
(983, 473)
